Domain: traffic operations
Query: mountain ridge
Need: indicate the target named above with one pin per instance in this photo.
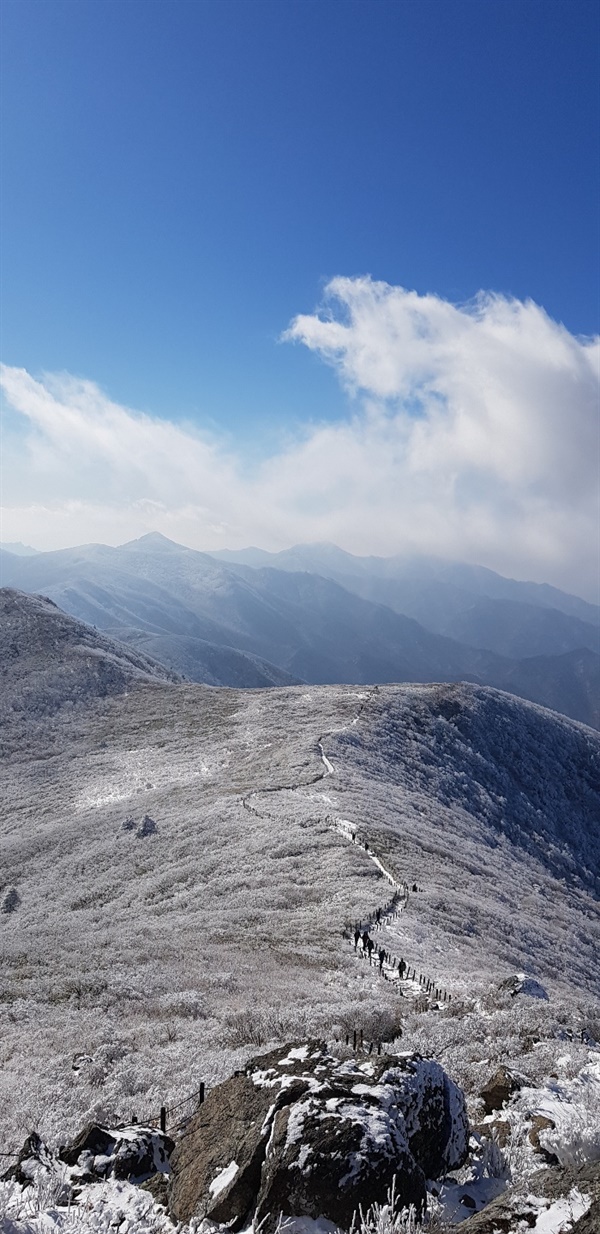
(181, 862)
(200, 616)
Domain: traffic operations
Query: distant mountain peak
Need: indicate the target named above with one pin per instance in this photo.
(156, 541)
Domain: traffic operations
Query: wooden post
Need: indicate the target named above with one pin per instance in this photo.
(201, 1093)
(354, 1042)
(163, 1119)
(379, 1047)
(361, 1038)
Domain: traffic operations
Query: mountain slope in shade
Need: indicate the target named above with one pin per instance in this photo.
(94, 585)
(443, 595)
(310, 627)
(303, 625)
(209, 663)
(568, 683)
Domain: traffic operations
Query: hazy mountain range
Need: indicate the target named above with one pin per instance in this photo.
(317, 614)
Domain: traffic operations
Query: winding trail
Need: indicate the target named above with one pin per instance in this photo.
(393, 968)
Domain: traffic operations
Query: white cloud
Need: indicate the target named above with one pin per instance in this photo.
(473, 433)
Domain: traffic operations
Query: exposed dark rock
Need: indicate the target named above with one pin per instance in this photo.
(34, 1155)
(147, 827)
(521, 983)
(499, 1089)
(303, 1133)
(158, 1187)
(498, 1130)
(226, 1128)
(135, 1152)
(540, 1123)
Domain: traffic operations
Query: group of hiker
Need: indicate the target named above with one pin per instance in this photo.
(368, 947)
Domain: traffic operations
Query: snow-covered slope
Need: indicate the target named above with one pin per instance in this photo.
(180, 886)
(48, 659)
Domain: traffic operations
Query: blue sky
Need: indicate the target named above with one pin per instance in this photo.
(181, 180)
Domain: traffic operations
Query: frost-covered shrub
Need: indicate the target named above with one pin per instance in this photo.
(390, 1218)
(575, 1139)
(10, 901)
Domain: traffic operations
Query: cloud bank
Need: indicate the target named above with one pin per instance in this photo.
(472, 433)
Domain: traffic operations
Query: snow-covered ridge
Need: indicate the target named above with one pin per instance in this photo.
(163, 959)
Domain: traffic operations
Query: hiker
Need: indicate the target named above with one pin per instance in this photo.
(356, 938)
(370, 946)
(354, 835)
(401, 969)
(381, 958)
(378, 915)
(365, 940)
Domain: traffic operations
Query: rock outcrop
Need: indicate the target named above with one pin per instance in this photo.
(500, 1089)
(303, 1133)
(135, 1153)
(553, 1199)
(521, 983)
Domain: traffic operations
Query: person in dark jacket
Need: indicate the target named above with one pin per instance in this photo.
(356, 938)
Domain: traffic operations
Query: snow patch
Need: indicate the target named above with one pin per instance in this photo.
(223, 1178)
(299, 1052)
(558, 1218)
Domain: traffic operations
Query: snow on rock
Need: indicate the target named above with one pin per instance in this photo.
(314, 1136)
(223, 1178)
(135, 1153)
(521, 983)
(554, 1201)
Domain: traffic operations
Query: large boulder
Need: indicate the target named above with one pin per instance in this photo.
(301, 1132)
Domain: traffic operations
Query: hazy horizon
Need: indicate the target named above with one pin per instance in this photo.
(14, 546)
(295, 277)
